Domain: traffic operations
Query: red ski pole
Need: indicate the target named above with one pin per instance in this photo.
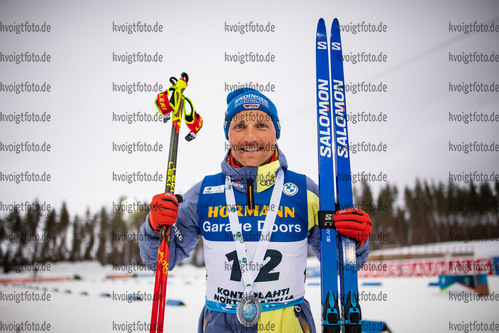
(158, 312)
(166, 105)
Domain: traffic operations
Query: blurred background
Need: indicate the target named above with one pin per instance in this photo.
(82, 149)
(424, 143)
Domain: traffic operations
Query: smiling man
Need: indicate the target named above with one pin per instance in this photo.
(256, 218)
(252, 138)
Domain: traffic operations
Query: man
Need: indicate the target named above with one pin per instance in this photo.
(256, 218)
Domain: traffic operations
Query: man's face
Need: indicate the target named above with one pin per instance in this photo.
(252, 137)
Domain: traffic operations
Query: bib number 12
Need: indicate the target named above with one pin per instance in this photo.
(265, 274)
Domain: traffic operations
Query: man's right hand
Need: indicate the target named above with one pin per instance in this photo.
(164, 210)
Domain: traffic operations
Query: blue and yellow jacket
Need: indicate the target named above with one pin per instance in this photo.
(280, 283)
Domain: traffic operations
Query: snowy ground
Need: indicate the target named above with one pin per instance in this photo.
(407, 304)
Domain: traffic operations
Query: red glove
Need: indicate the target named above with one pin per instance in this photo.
(164, 210)
(354, 223)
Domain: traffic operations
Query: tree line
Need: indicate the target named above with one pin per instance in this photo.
(110, 237)
(424, 213)
(431, 212)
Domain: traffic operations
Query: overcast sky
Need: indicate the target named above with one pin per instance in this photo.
(425, 45)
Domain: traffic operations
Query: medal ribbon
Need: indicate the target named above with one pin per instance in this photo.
(249, 276)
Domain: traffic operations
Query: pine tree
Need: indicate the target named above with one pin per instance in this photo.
(386, 216)
(401, 228)
(33, 217)
(62, 229)
(472, 207)
(421, 228)
(135, 221)
(76, 242)
(118, 230)
(13, 229)
(442, 212)
(411, 224)
(89, 227)
(50, 241)
(428, 214)
(3, 238)
(102, 254)
(19, 233)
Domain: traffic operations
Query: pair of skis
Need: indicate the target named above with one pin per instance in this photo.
(341, 312)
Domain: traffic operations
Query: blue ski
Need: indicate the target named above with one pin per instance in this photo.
(331, 321)
(349, 295)
(335, 177)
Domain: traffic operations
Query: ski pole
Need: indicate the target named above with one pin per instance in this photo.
(174, 106)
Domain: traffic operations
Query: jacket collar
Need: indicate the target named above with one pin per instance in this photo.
(263, 176)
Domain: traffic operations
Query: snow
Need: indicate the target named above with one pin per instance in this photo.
(405, 304)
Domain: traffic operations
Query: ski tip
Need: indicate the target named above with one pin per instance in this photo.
(321, 23)
(321, 29)
(335, 27)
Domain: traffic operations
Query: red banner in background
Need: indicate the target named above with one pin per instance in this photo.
(425, 267)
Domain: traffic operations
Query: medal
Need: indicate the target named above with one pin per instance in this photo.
(248, 310)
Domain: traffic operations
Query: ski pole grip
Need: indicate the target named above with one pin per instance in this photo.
(163, 105)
